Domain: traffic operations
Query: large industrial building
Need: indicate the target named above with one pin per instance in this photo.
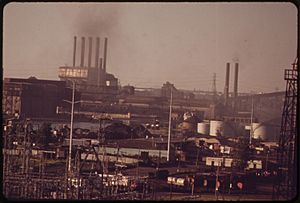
(30, 98)
(91, 79)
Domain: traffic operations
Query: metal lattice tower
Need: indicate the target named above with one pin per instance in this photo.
(285, 185)
(214, 86)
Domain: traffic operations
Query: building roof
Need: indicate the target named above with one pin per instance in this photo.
(210, 140)
(142, 143)
(33, 80)
(134, 143)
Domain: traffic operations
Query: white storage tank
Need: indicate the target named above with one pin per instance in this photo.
(259, 131)
(216, 128)
(203, 128)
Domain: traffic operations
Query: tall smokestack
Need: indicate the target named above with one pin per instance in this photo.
(236, 72)
(82, 51)
(226, 89)
(74, 51)
(105, 54)
(99, 72)
(101, 63)
(90, 51)
(235, 87)
(97, 52)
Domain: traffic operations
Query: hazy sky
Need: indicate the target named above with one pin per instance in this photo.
(151, 43)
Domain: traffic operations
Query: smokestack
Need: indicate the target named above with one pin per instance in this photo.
(90, 51)
(235, 87)
(101, 63)
(82, 51)
(74, 51)
(99, 72)
(97, 52)
(226, 90)
(105, 53)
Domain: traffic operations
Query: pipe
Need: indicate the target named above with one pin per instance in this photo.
(226, 89)
(97, 52)
(90, 51)
(74, 51)
(82, 51)
(105, 54)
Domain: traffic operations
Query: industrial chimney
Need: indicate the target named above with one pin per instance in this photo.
(74, 51)
(235, 88)
(82, 51)
(226, 89)
(90, 51)
(105, 54)
(99, 72)
(100, 63)
(97, 52)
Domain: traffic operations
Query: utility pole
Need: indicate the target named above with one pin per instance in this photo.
(68, 173)
(251, 120)
(26, 157)
(171, 189)
(217, 180)
(5, 160)
(72, 118)
(193, 184)
(267, 160)
(170, 120)
(197, 159)
(214, 88)
(71, 130)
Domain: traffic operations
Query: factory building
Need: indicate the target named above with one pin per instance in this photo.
(92, 81)
(32, 97)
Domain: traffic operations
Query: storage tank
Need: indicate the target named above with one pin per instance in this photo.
(216, 128)
(203, 128)
(259, 131)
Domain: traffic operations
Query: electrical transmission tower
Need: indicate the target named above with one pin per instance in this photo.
(285, 185)
(214, 88)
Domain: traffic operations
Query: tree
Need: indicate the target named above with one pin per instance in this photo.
(242, 153)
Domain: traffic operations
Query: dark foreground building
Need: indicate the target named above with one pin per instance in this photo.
(33, 97)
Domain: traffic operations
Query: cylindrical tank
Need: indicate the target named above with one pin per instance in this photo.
(203, 128)
(216, 128)
(259, 131)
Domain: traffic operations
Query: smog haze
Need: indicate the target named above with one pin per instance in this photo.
(151, 43)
